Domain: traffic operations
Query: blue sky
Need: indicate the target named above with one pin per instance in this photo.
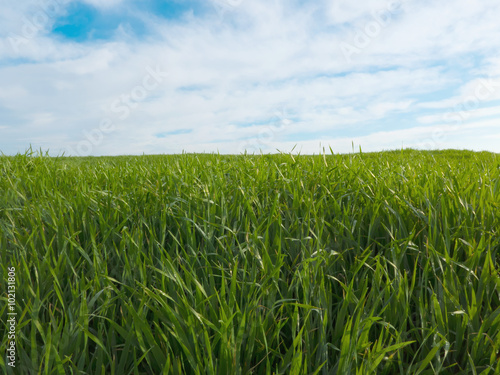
(111, 77)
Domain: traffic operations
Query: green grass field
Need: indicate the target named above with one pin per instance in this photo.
(382, 263)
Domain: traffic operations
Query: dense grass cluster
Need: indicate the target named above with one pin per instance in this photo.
(274, 264)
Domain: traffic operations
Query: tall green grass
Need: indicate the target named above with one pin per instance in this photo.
(381, 263)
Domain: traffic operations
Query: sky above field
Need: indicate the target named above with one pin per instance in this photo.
(111, 77)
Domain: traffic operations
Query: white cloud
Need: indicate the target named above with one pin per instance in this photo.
(103, 3)
(344, 11)
(239, 69)
(461, 115)
(99, 59)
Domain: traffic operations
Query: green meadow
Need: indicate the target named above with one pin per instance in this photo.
(366, 263)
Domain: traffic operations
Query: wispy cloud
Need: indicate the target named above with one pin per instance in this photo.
(232, 62)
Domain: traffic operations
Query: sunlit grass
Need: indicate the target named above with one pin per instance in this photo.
(381, 263)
